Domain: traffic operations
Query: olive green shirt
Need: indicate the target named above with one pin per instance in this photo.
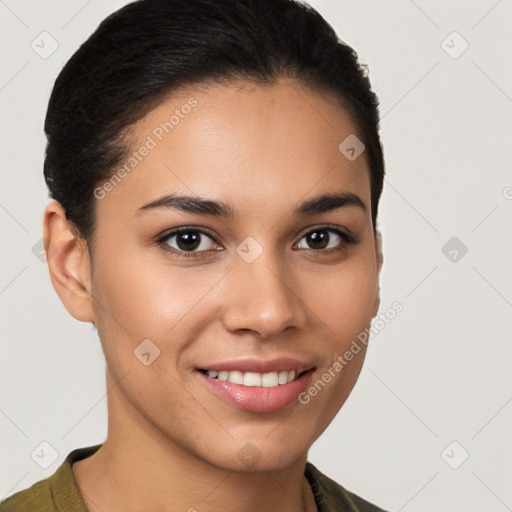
(59, 492)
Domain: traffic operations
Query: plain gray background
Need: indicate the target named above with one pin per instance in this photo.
(439, 373)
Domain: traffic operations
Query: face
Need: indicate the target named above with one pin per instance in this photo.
(265, 282)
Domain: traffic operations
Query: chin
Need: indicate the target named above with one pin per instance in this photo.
(245, 456)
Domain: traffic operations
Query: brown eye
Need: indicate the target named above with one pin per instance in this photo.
(324, 239)
(188, 242)
(318, 239)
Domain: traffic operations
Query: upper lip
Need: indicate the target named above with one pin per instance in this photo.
(261, 366)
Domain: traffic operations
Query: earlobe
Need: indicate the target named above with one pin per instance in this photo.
(68, 263)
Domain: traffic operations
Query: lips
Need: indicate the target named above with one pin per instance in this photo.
(257, 385)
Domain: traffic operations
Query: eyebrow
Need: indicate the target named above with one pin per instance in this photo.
(198, 205)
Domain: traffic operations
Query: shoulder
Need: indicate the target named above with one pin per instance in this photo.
(332, 497)
(37, 497)
(55, 493)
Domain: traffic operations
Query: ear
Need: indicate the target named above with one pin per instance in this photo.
(68, 261)
(379, 258)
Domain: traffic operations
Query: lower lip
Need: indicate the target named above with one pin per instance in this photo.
(258, 398)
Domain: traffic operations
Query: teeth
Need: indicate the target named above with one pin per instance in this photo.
(269, 380)
(236, 377)
(283, 377)
(252, 379)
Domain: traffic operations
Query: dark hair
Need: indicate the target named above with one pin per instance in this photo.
(147, 50)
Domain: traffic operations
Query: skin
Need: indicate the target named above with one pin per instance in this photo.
(262, 150)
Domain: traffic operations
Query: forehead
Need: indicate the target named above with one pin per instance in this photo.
(241, 143)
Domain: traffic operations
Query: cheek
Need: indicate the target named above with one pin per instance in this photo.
(344, 306)
(140, 296)
(146, 295)
(343, 300)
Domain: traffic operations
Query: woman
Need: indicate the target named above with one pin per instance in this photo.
(215, 170)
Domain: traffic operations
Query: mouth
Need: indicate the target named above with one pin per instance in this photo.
(257, 386)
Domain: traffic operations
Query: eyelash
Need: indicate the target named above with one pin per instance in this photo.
(161, 241)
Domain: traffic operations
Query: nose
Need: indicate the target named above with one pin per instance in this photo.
(261, 299)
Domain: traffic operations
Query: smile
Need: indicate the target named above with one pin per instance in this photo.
(255, 385)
